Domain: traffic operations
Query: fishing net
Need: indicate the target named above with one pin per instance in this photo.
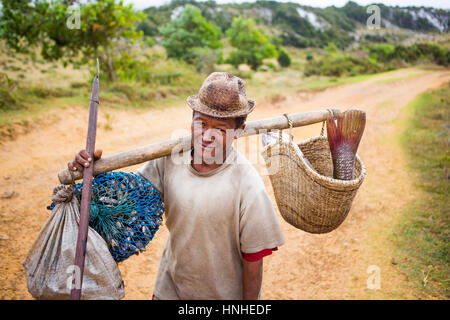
(126, 210)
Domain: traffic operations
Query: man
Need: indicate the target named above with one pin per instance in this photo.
(220, 218)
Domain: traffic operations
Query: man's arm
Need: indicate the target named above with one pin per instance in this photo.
(252, 279)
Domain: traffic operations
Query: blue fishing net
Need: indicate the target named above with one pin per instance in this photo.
(126, 210)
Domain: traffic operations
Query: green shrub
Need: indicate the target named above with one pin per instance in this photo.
(7, 87)
(381, 57)
(205, 58)
(43, 92)
(155, 69)
(7, 101)
(284, 59)
(409, 54)
(77, 85)
(342, 65)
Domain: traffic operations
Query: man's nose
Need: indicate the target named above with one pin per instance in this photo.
(209, 135)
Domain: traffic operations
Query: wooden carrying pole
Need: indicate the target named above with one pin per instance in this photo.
(86, 194)
(164, 148)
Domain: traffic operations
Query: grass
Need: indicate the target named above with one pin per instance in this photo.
(422, 234)
(408, 76)
(323, 83)
(319, 83)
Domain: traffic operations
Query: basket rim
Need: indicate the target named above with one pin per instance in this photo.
(314, 175)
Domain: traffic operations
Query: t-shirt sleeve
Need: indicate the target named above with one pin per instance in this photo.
(252, 257)
(259, 226)
(153, 171)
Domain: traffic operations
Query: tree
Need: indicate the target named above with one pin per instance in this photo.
(188, 32)
(252, 45)
(103, 25)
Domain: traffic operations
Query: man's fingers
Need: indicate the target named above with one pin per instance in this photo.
(81, 161)
(84, 155)
(78, 167)
(74, 166)
(98, 154)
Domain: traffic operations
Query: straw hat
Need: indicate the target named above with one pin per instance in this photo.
(222, 95)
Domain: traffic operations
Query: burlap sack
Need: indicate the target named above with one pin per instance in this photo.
(49, 264)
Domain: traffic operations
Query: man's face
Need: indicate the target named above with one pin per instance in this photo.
(212, 137)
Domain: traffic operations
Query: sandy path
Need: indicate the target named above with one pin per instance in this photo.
(330, 266)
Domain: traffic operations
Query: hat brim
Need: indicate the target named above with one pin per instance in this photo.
(195, 104)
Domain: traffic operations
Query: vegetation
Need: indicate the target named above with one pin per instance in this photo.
(422, 235)
(252, 45)
(108, 29)
(165, 52)
(338, 24)
(375, 58)
(284, 59)
(188, 32)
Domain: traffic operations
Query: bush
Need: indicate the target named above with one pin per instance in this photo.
(381, 57)
(283, 59)
(205, 58)
(7, 101)
(410, 54)
(77, 85)
(342, 65)
(41, 91)
(7, 86)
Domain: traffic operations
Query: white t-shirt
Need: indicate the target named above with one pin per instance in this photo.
(212, 218)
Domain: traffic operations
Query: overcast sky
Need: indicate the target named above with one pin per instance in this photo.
(444, 4)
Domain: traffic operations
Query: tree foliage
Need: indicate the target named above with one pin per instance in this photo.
(104, 27)
(252, 45)
(189, 31)
(284, 59)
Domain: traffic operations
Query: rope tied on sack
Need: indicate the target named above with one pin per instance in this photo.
(62, 194)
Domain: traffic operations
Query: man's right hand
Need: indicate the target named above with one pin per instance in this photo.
(82, 160)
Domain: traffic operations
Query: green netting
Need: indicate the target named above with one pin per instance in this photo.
(126, 210)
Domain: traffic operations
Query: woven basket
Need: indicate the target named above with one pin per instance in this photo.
(310, 200)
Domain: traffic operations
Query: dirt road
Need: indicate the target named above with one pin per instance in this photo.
(329, 266)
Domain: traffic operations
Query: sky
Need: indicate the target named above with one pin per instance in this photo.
(443, 4)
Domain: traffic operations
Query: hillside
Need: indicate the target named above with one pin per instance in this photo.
(303, 26)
